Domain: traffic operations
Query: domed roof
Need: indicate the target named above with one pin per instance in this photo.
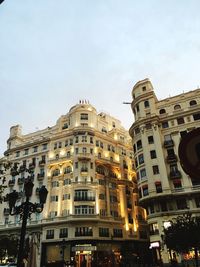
(81, 106)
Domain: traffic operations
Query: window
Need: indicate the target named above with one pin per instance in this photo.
(56, 172)
(155, 169)
(55, 184)
(197, 201)
(113, 199)
(177, 107)
(117, 233)
(84, 116)
(44, 146)
(181, 204)
(55, 145)
(158, 187)
(137, 130)
(163, 206)
(180, 120)
(66, 143)
(84, 150)
(153, 229)
(150, 139)
(84, 138)
(63, 233)
(162, 111)
(35, 149)
(103, 212)
(97, 143)
(145, 190)
(26, 151)
(183, 133)
(67, 169)
(76, 165)
(144, 88)
(139, 144)
(196, 116)
(68, 154)
(67, 181)
(76, 150)
(165, 124)
(177, 184)
(66, 196)
(54, 199)
(153, 154)
(91, 140)
(104, 232)
(148, 126)
(76, 139)
(84, 210)
(137, 108)
(193, 102)
(141, 159)
(143, 174)
(146, 104)
(102, 196)
(17, 154)
(83, 231)
(50, 234)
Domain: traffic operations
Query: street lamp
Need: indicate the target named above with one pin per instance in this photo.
(63, 246)
(25, 210)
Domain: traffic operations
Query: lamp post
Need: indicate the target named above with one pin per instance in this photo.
(63, 246)
(25, 210)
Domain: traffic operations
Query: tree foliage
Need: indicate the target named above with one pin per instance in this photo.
(183, 234)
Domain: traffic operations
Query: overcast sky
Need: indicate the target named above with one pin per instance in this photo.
(55, 52)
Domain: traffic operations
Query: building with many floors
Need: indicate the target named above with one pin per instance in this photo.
(92, 212)
(165, 190)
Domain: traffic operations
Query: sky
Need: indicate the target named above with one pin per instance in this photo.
(55, 52)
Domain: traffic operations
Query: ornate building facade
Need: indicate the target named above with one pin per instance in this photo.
(92, 212)
(165, 190)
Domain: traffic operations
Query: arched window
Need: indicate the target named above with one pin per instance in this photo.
(146, 104)
(176, 107)
(193, 102)
(56, 172)
(162, 111)
(68, 169)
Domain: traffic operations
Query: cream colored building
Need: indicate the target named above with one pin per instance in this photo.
(86, 163)
(164, 189)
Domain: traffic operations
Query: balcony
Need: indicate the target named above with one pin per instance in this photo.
(14, 172)
(50, 236)
(11, 183)
(130, 220)
(20, 181)
(31, 165)
(168, 143)
(42, 163)
(40, 176)
(175, 174)
(22, 168)
(154, 232)
(171, 158)
(88, 233)
(84, 171)
(85, 198)
(62, 235)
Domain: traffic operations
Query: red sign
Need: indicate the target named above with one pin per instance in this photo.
(189, 153)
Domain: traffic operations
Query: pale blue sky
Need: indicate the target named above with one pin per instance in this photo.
(55, 52)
